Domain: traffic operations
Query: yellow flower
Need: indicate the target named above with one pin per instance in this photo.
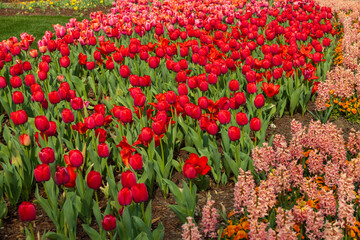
(76, 8)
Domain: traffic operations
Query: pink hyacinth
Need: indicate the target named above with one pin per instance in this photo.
(190, 230)
(209, 219)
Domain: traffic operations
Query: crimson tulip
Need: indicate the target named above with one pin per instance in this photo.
(108, 223)
(27, 212)
(62, 176)
(255, 124)
(42, 173)
(103, 150)
(76, 158)
(259, 101)
(67, 115)
(136, 161)
(125, 196)
(234, 133)
(93, 180)
(139, 193)
(24, 140)
(241, 118)
(47, 155)
(42, 123)
(128, 179)
(90, 122)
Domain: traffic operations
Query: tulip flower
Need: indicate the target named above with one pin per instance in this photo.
(72, 177)
(67, 115)
(189, 171)
(52, 129)
(234, 133)
(128, 179)
(224, 116)
(108, 223)
(234, 85)
(136, 161)
(47, 155)
(64, 61)
(42, 123)
(125, 197)
(62, 176)
(147, 134)
(3, 82)
(124, 71)
(270, 89)
(93, 180)
(212, 128)
(139, 193)
(259, 101)
(18, 97)
(255, 124)
(241, 119)
(24, 140)
(54, 97)
(42, 173)
(19, 117)
(90, 122)
(158, 127)
(15, 82)
(103, 150)
(27, 212)
(77, 103)
(76, 158)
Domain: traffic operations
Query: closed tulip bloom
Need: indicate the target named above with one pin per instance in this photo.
(62, 176)
(189, 171)
(255, 124)
(224, 116)
(76, 158)
(38, 96)
(103, 150)
(154, 62)
(124, 71)
(234, 133)
(15, 82)
(212, 128)
(108, 223)
(203, 102)
(125, 196)
(42, 123)
(24, 140)
(19, 117)
(18, 97)
(242, 119)
(47, 155)
(72, 177)
(234, 85)
(52, 129)
(170, 97)
(93, 180)
(158, 127)
(240, 98)
(27, 212)
(42, 173)
(90, 122)
(67, 115)
(139, 99)
(136, 161)
(250, 76)
(54, 97)
(147, 134)
(251, 88)
(277, 73)
(128, 179)
(259, 101)
(183, 89)
(139, 193)
(77, 103)
(3, 82)
(99, 119)
(64, 61)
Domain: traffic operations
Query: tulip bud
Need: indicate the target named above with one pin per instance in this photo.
(54, 97)
(128, 179)
(158, 127)
(234, 85)
(234, 133)
(76, 158)
(90, 122)
(255, 124)
(182, 89)
(64, 61)
(103, 150)
(47, 155)
(189, 171)
(251, 88)
(19, 117)
(67, 115)
(147, 134)
(203, 102)
(3, 82)
(108, 223)
(93, 180)
(259, 101)
(224, 116)
(139, 193)
(136, 161)
(24, 140)
(27, 212)
(212, 128)
(125, 115)
(42, 173)
(77, 103)
(125, 196)
(99, 119)
(18, 97)
(124, 71)
(42, 123)
(52, 129)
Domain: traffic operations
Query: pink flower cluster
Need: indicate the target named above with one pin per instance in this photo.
(190, 231)
(209, 219)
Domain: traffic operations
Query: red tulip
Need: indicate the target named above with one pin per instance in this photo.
(93, 180)
(103, 150)
(125, 115)
(234, 85)
(64, 61)
(270, 89)
(18, 97)
(38, 96)
(277, 73)
(42, 123)
(139, 193)
(182, 89)
(99, 119)
(3, 82)
(42, 173)
(224, 116)
(212, 128)
(19, 117)
(90, 122)
(108, 223)
(234, 133)
(154, 62)
(189, 170)
(54, 97)
(250, 76)
(77, 103)
(259, 101)
(240, 98)
(251, 88)
(158, 127)
(255, 124)
(125, 196)
(241, 119)
(136, 161)
(15, 82)
(27, 212)
(67, 115)
(170, 97)
(24, 140)
(47, 155)
(76, 158)
(128, 179)
(52, 129)
(72, 177)
(139, 99)
(62, 176)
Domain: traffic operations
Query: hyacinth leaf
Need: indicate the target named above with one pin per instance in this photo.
(56, 236)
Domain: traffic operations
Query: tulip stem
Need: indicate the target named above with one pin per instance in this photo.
(107, 168)
(93, 137)
(110, 236)
(31, 231)
(142, 210)
(96, 197)
(46, 192)
(162, 155)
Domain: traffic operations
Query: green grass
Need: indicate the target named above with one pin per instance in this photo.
(13, 26)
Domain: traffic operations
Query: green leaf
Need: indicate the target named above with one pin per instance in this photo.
(56, 236)
(294, 100)
(93, 234)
